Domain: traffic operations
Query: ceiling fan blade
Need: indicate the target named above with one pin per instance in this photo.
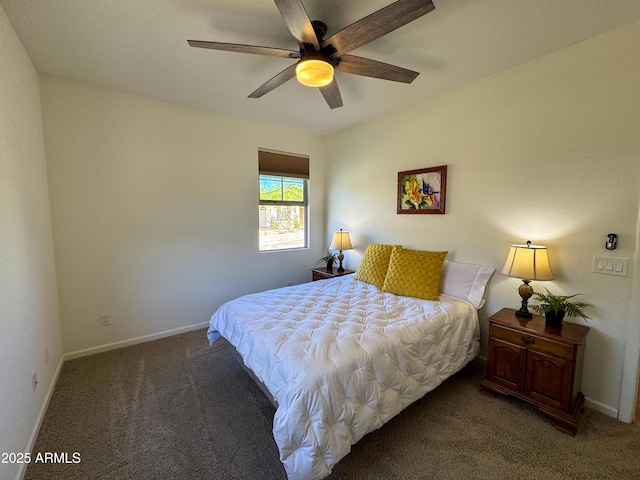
(283, 77)
(331, 94)
(239, 48)
(376, 25)
(297, 21)
(375, 69)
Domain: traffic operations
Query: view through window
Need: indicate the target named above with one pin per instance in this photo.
(282, 213)
(283, 209)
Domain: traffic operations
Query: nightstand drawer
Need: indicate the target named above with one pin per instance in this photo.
(316, 275)
(323, 273)
(532, 342)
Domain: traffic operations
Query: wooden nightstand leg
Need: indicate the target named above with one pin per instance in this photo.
(567, 422)
(566, 428)
(486, 392)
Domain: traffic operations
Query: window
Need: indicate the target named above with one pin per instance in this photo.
(283, 201)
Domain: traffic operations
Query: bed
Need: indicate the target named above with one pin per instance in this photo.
(341, 357)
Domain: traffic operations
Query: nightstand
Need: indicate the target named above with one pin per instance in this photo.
(538, 364)
(324, 272)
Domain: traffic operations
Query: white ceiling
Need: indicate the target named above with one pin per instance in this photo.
(140, 47)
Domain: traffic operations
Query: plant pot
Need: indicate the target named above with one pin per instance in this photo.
(554, 319)
(329, 264)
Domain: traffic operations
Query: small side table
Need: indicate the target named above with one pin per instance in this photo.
(539, 364)
(323, 273)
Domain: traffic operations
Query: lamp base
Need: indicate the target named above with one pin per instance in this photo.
(340, 258)
(525, 290)
(524, 313)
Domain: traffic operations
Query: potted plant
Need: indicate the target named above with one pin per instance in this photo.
(329, 258)
(555, 307)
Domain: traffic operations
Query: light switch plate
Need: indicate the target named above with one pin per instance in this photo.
(610, 266)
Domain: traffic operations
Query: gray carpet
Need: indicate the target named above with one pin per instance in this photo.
(176, 408)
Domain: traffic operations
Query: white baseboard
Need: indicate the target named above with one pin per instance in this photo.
(22, 470)
(601, 407)
(133, 341)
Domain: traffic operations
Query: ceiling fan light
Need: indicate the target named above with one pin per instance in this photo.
(314, 73)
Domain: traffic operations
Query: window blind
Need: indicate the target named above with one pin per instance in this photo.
(283, 164)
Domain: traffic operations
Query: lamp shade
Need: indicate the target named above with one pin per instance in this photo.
(314, 72)
(528, 262)
(340, 241)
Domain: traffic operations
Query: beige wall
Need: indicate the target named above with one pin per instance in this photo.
(145, 199)
(155, 211)
(548, 151)
(29, 319)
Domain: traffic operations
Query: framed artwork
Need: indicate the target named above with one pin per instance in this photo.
(422, 191)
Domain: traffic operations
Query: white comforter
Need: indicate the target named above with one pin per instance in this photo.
(341, 358)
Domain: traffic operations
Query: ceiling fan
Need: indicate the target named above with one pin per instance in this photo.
(318, 57)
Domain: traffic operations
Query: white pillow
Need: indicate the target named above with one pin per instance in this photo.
(465, 281)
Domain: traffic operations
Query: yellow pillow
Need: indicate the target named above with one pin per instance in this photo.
(414, 273)
(375, 262)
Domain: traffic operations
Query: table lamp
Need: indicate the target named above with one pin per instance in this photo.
(527, 262)
(341, 241)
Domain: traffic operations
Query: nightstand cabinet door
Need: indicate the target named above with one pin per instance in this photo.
(548, 380)
(507, 363)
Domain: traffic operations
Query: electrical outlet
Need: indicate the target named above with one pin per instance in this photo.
(34, 380)
(105, 319)
(46, 356)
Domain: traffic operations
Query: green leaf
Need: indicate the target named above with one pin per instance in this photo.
(549, 302)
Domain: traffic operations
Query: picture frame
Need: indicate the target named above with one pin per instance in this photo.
(422, 191)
